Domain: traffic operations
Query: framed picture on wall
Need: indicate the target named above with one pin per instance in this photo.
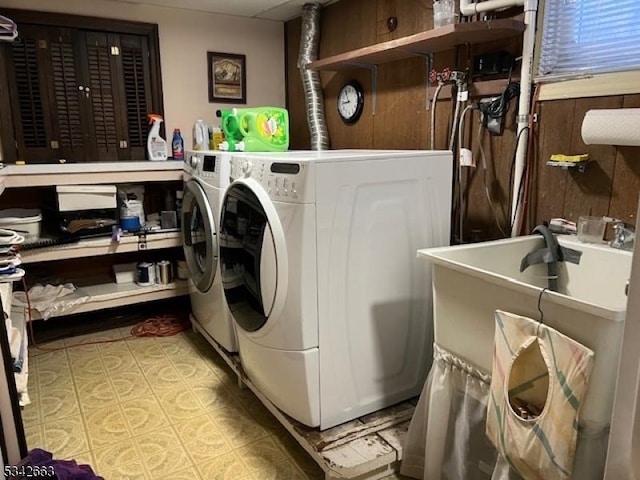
(227, 77)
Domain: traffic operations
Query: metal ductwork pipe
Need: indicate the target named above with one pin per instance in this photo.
(314, 101)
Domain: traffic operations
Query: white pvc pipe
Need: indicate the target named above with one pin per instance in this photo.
(467, 7)
(524, 105)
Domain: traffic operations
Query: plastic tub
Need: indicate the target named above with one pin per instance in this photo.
(25, 221)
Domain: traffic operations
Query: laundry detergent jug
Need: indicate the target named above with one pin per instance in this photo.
(264, 129)
(259, 129)
(230, 127)
(200, 135)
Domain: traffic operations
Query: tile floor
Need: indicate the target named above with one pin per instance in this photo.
(155, 408)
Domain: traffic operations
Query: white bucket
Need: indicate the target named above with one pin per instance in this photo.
(24, 221)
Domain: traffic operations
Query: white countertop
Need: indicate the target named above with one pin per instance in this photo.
(37, 175)
(92, 167)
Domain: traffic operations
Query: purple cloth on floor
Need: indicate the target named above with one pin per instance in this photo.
(64, 469)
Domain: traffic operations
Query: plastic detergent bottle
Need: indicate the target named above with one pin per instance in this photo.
(200, 135)
(231, 128)
(264, 129)
(177, 145)
(156, 145)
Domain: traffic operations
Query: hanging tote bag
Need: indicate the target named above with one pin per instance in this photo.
(537, 386)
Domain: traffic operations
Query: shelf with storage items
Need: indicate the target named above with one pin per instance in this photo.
(109, 295)
(103, 246)
(423, 43)
(88, 262)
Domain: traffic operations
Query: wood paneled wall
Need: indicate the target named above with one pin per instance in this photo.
(609, 186)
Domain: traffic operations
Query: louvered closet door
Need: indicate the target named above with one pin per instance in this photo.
(70, 126)
(135, 78)
(101, 95)
(30, 102)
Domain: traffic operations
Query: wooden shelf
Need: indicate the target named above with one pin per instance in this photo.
(110, 295)
(431, 41)
(102, 246)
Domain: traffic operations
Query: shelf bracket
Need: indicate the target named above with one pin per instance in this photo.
(429, 63)
(374, 82)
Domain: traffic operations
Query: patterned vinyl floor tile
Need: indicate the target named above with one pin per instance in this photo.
(155, 409)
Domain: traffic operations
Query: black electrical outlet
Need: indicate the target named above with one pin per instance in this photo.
(492, 63)
(495, 125)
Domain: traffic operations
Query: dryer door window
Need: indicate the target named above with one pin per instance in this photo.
(199, 234)
(247, 258)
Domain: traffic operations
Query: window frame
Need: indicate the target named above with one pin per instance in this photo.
(149, 30)
(582, 85)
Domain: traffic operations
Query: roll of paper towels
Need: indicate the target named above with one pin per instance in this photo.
(612, 127)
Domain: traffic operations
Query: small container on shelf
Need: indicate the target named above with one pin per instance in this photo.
(177, 145)
(24, 221)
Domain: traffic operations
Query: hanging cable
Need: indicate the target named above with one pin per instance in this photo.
(433, 114)
(519, 192)
(461, 191)
(484, 176)
(530, 166)
(454, 124)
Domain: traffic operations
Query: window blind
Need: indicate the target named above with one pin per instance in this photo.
(582, 37)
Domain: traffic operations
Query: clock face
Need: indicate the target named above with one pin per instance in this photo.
(350, 102)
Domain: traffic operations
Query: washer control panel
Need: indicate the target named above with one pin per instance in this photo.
(210, 165)
(284, 181)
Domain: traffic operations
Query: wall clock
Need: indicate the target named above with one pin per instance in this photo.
(350, 102)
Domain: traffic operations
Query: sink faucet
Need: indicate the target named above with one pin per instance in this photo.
(624, 236)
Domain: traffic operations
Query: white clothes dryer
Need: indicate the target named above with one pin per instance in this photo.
(319, 269)
(206, 178)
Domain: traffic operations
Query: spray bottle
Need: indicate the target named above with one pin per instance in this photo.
(156, 145)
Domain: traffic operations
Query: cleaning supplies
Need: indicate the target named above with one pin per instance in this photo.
(215, 138)
(231, 128)
(156, 145)
(200, 135)
(265, 129)
(259, 129)
(177, 145)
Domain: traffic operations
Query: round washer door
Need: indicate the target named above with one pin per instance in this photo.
(199, 235)
(252, 255)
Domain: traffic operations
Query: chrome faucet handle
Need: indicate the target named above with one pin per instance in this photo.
(624, 236)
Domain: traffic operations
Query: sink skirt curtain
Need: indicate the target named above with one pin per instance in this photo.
(447, 440)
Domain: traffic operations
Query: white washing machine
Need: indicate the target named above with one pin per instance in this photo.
(319, 269)
(206, 178)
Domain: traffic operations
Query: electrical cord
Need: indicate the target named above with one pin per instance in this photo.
(163, 326)
(461, 191)
(10, 237)
(526, 216)
(484, 176)
(500, 106)
(511, 173)
(433, 114)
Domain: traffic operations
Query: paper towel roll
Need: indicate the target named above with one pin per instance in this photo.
(612, 127)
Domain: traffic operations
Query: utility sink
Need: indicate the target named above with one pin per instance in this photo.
(471, 282)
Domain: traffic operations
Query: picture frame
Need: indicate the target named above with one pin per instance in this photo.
(227, 77)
